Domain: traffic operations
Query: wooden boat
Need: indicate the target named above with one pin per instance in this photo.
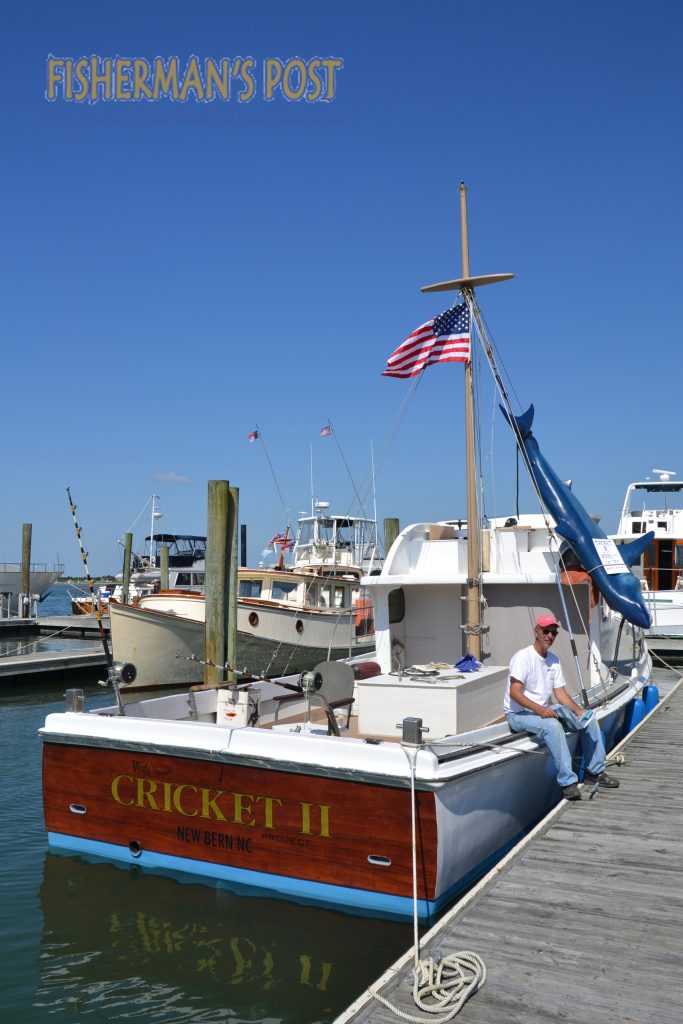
(288, 617)
(384, 786)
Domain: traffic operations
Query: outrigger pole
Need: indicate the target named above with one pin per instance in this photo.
(112, 676)
(466, 285)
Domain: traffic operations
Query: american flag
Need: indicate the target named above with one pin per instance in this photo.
(445, 339)
(326, 431)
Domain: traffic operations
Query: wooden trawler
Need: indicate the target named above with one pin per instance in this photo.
(289, 617)
(384, 786)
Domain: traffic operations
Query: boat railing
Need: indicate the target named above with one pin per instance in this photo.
(34, 567)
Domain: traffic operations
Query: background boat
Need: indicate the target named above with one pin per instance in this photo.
(656, 504)
(42, 576)
(288, 618)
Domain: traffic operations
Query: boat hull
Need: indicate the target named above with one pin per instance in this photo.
(325, 833)
(300, 835)
(167, 649)
(40, 581)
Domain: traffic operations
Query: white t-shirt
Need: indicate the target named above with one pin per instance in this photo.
(540, 677)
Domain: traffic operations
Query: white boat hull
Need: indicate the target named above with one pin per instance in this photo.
(39, 582)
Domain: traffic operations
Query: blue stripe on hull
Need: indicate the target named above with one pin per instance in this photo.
(339, 896)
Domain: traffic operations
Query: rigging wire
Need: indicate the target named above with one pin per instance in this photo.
(259, 437)
(487, 344)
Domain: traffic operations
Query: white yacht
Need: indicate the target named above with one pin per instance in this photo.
(655, 505)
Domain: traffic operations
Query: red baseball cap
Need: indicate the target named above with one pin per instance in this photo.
(543, 621)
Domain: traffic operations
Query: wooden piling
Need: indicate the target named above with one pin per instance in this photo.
(127, 549)
(26, 531)
(163, 555)
(391, 532)
(243, 546)
(220, 646)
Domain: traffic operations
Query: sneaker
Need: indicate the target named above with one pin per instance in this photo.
(571, 792)
(604, 780)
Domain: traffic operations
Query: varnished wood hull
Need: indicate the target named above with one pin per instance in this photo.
(307, 832)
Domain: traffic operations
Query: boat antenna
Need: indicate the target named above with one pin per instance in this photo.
(111, 675)
(329, 430)
(156, 514)
(466, 285)
(312, 491)
(374, 500)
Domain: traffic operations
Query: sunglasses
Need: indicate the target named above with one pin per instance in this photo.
(549, 629)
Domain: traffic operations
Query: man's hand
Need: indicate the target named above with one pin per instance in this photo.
(547, 713)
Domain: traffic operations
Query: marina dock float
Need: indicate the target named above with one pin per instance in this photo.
(37, 663)
(583, 920)
(57, 664)
(82, 627)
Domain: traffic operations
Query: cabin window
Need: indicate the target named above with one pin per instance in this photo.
(284, 591)
(397, 605)
(679, 556)
(198, 579)
(250, 588)
(183, 579)
(331, 596)
(636, 527)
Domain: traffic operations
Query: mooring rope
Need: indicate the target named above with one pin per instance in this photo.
(439, 983)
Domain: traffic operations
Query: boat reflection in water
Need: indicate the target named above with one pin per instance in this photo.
(123, 944)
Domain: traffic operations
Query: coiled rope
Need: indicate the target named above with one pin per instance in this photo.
(439, 983)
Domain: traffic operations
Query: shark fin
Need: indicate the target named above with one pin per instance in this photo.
(632, 551)
(520, 424)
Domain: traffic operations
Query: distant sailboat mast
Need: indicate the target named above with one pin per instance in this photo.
(466, 286)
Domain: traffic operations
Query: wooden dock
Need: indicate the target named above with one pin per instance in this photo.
(30, 664)
(583, 921)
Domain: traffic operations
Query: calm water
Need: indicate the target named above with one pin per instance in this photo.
(86, 941)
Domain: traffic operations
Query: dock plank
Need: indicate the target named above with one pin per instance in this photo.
(585, 922)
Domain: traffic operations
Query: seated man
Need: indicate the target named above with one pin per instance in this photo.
(535, 700)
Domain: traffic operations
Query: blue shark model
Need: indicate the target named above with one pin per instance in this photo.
(621, 590)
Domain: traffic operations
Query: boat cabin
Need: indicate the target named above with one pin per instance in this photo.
(298, 589)
(184, 550)
(335, 542)
(656, 505)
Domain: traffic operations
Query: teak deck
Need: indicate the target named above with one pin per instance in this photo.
(584, 922)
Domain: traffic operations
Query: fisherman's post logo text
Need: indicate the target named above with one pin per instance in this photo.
(226, 79)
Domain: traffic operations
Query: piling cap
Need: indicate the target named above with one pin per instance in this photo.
(543, 621)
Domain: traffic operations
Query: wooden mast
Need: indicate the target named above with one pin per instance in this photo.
(466, 285)
(473, 560)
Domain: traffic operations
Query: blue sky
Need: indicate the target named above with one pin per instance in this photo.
(175, 273)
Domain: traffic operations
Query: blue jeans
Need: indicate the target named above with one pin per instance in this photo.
(551, 732)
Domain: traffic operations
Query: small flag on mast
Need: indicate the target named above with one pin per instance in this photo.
(444, 339)
(326, 431)
(253, 436)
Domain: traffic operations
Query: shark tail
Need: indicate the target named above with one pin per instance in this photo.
(521, 425)
(632, 551)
